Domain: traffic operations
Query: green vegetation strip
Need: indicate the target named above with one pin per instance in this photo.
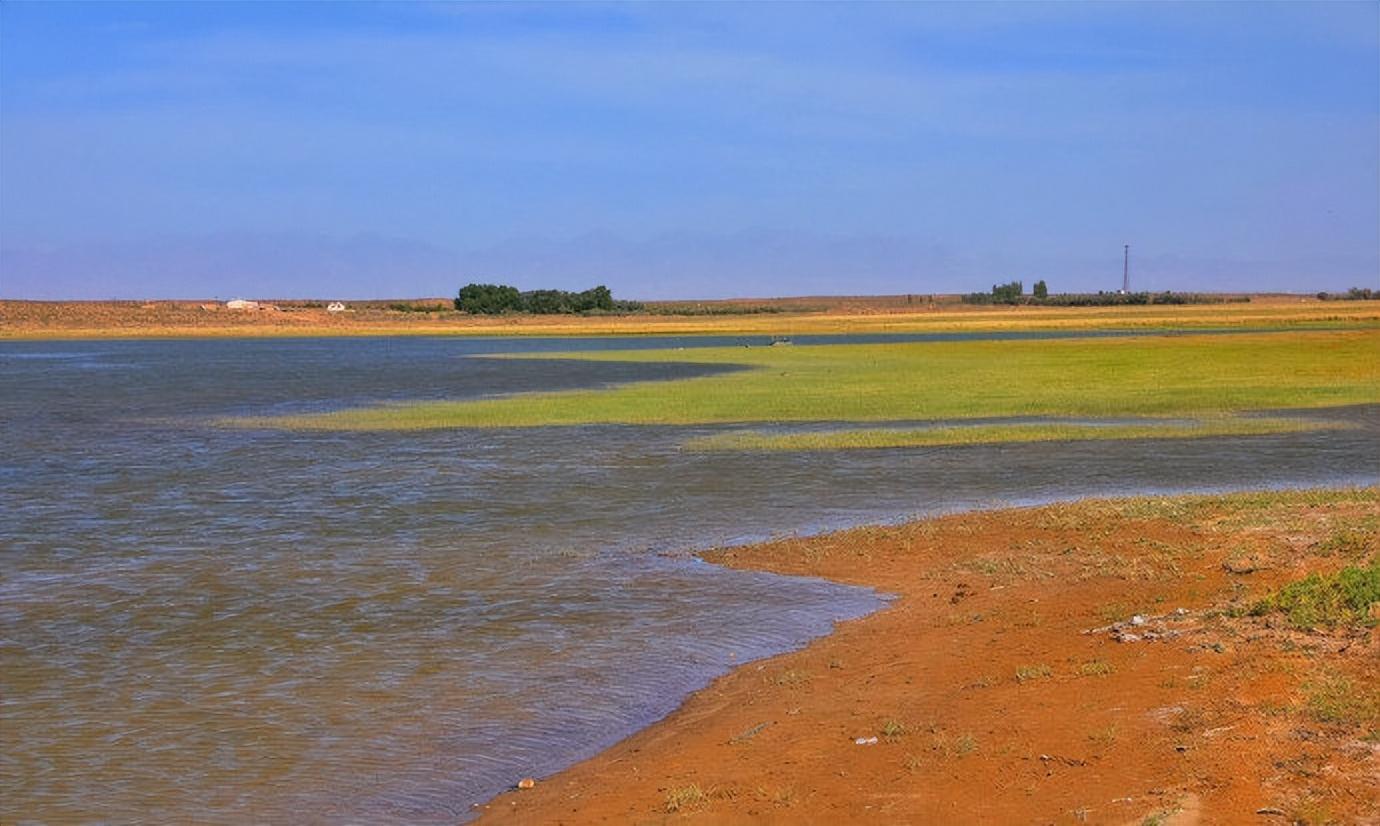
(1154, 376)
(862, 438)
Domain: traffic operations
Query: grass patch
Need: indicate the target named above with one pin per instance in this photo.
(1029, 673)
(1104, 737)
(864, 438)
(1352, 542)
(892, 730)
(1152, 376)
(686, 798)
(1096, 668)
(1337, 699)
(1343, 598)
(960, 746)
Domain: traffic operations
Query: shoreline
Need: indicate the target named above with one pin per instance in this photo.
(998, 687)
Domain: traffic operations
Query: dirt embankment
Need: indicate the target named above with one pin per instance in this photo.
(1086, 663)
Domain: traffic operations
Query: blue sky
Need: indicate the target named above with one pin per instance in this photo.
(685, 150)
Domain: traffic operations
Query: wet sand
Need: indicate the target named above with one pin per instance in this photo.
(1006, 682)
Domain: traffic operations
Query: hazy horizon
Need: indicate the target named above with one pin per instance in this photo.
(685, 151)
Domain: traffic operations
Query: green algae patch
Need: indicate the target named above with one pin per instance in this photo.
(864, 438)
(1142, 376)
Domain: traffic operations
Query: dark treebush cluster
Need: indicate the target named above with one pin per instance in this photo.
(494, 299)
(1353, 294)
(1011, 293)
(1121, 299)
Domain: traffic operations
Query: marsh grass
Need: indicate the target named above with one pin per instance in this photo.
(869, 438)
(1149, 376)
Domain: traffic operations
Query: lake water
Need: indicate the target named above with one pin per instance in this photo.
(200, 624)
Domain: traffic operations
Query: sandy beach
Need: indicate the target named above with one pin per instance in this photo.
(1096, 662)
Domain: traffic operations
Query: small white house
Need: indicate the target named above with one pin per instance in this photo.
(335, 307)
(241, 304)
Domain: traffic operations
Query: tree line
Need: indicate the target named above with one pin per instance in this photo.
(496, 299)
(1013, 292)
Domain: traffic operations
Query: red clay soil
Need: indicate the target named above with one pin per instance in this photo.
(1008, 682)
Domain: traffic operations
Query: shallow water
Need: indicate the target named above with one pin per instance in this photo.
(217, 625)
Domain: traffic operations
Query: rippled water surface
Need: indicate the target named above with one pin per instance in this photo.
(212, 625)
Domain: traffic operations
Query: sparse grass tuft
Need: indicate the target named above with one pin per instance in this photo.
(792, 677)
(686, 798)
(960, 746)
(1027, 673)
(1104, 736)
(985, 681)
(1096, 668)
(893, 730)
(1350, 543)
(1335, 698)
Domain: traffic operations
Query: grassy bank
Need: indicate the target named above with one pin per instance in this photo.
(1210, 375)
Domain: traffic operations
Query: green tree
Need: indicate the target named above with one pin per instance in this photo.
(488, 299)
(1009, 293)
(1040, 290)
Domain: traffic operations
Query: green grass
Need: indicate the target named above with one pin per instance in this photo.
(1139, 376)
(1343, 598)
(1336, 698)
(863, 438)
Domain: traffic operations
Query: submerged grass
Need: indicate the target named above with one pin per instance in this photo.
(1137, 376)
(862, 438)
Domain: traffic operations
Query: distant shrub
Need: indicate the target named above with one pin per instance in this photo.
(1353, 294)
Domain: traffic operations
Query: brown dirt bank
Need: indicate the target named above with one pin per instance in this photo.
(993, 703)
(202, 319)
